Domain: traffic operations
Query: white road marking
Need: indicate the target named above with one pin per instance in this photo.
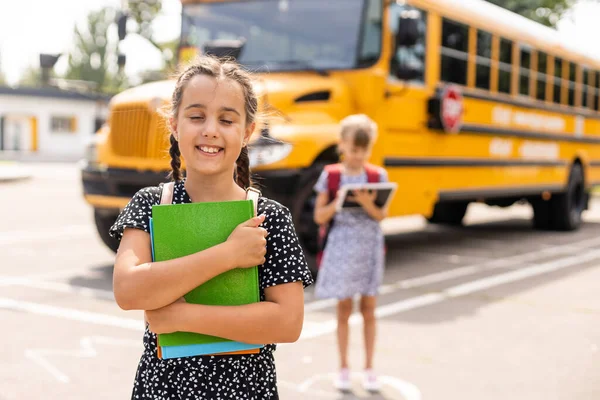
(86, 350)
(59, 287)
(316, 329)
(460, 272)
(9, 238)
(72, 314)
(497, 263)
(387, 310)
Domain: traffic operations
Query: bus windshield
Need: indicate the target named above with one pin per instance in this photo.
(282, 34)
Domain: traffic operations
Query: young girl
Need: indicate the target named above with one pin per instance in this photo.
(353, 259)
(212, 117)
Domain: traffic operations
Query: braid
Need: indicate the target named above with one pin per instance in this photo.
(242, 172)
(175, 160)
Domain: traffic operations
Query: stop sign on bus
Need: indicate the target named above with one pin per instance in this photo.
(451, 109)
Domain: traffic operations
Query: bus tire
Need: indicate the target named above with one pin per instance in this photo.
(103, 223)
(567, 207)
(542, 214)
(449, 213)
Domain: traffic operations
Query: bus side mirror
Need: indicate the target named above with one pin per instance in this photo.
(408, 29)
(407, 73)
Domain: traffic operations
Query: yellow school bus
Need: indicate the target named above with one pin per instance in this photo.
(474, 103)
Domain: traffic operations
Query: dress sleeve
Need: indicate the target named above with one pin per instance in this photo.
(383, 175)
(321, 185)
(285, 260)
(137, 213)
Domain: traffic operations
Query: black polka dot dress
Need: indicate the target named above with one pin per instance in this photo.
(249, 376)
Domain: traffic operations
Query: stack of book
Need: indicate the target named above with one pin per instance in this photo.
(178, 230)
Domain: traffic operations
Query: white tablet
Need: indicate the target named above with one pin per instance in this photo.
(385, 193)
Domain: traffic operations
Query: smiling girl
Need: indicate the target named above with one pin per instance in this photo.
(212, 117)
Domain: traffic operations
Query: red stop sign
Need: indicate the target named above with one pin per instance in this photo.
(452, 109)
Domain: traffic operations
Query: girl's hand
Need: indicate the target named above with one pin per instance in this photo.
(163, 320)
(364, 198)
(248, 243)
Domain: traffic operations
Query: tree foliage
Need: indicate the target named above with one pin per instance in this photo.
(546, 12)
(93, 58)
(31, 76)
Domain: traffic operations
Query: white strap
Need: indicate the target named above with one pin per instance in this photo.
(167, 193)
(253, 194)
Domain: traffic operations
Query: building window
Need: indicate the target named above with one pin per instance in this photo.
(455, 52)
(63, 124)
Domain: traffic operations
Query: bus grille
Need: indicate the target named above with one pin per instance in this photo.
(138, 132)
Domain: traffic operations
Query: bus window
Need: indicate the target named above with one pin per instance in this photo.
(541, 74)
(597, 92)
(584, 87)
(572, 83)
(455, 52)
(409, 58)
(557, 79)
(371, 34)
(484, 55)
(505, 66)
(525, 71)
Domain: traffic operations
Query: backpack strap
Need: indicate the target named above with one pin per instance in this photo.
(334, 176)
(372, 173)
(253, 194)
(167, 193)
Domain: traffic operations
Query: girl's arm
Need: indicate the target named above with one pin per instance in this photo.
(324, 212)
(140, 284)
(279, 319)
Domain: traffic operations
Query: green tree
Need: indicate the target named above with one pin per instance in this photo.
(547, 12)
(2, 79)
(93, 58)
(32, 76)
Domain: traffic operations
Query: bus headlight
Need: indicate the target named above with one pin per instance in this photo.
(264, 154)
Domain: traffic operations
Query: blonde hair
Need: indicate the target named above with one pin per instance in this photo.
(359, 127)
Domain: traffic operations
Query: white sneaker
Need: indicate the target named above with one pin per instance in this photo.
(370, 382)
(343, 382)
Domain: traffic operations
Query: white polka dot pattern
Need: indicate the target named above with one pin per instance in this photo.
(223, 377)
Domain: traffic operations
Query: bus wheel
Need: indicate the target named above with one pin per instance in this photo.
(542, 214)
(303, 213)
(103, 224)
(449, 213)
(567, 207)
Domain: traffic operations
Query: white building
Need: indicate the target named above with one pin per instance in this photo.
(49, 121)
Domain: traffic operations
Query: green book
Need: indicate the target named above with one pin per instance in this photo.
(183, 229)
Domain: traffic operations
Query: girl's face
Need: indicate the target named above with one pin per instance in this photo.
(354, 156)
(211, 125)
